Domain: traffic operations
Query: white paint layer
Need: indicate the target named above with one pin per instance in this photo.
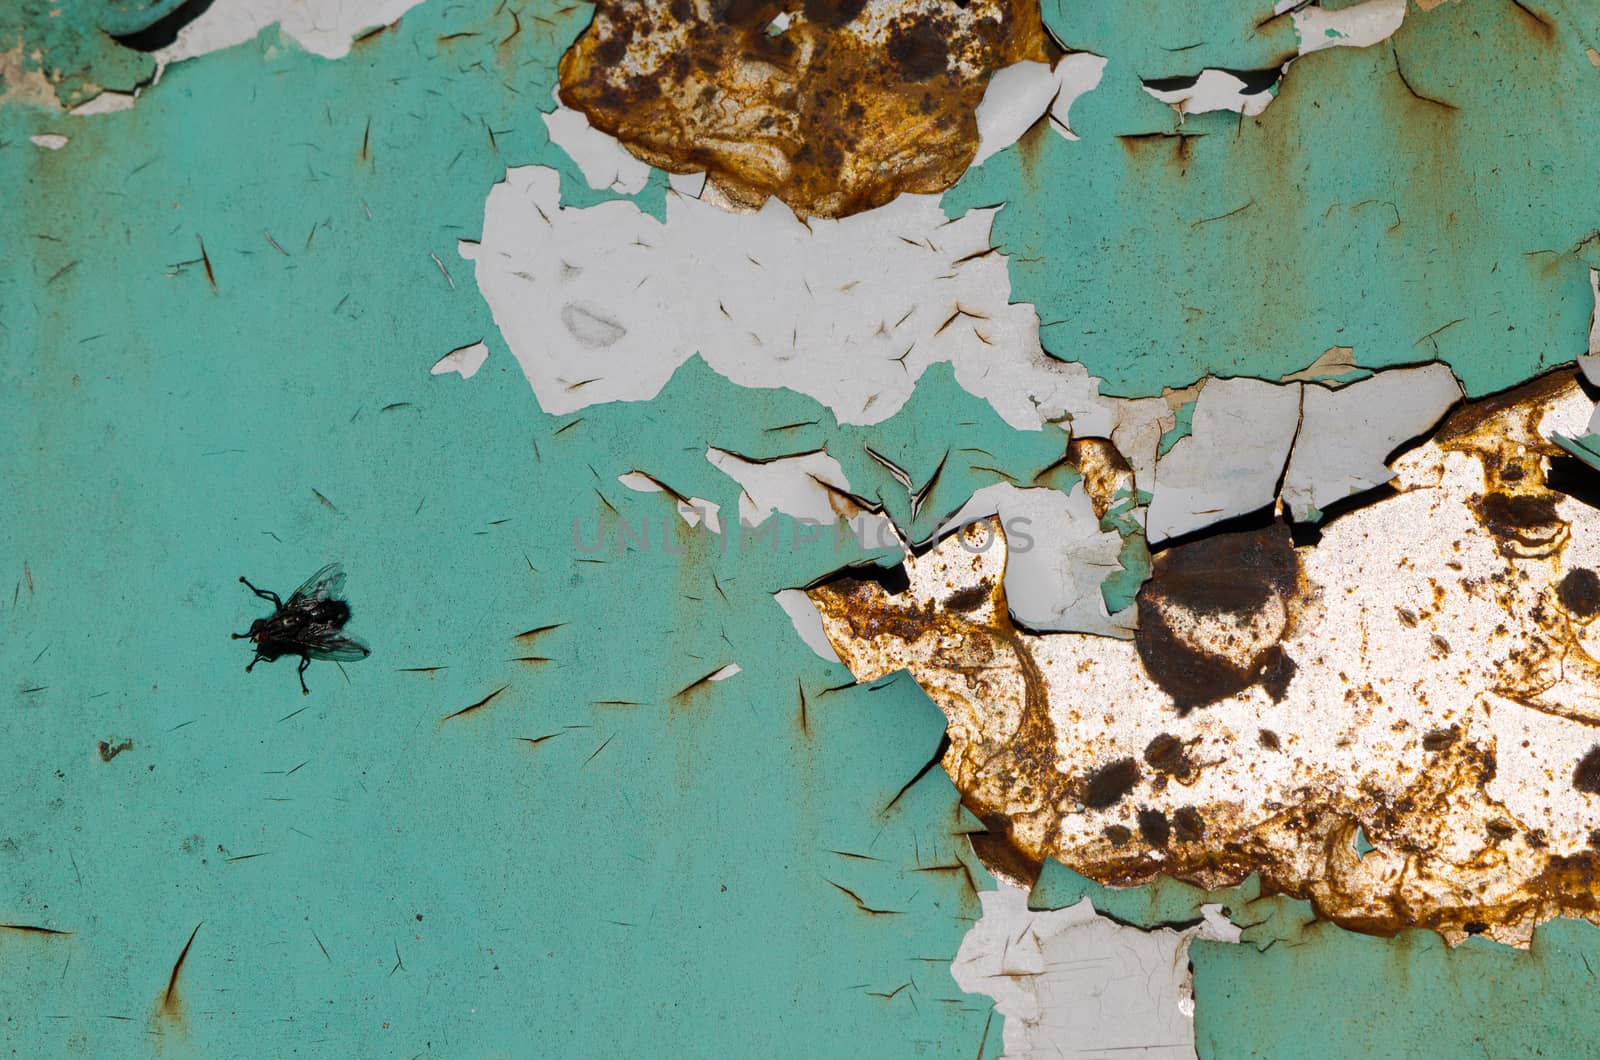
(1347, 434)
(322, 27)
(464, 361)
(1070, 982)
(1231, 463)
(807, 621)
(1358, 26)
(603, 304)
(605, 163)
(1016, 98)
(1056, 557)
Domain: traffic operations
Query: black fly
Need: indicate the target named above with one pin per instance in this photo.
(309, 625)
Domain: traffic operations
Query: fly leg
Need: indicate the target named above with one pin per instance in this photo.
(264, 595)
(305, 661)
(253, 662)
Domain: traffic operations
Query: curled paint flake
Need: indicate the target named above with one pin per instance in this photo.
(603, 162)
(464, 361)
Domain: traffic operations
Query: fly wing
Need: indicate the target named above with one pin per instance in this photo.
(325, 643)
(327, 582)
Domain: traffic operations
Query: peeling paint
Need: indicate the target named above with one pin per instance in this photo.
(1070, 979)
(604, 163)
(603, 304)
(463, 361)
(1421, 674)
(322, 27)
(1362, 208)
(1058, 556)
(837, 109)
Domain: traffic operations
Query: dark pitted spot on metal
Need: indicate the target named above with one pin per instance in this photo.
(745, 14)
(1269, 740)
(1154, 828)
(1521, 519)
(1167, 754)
(833, 13)
(1579, 593)
(969, 599)
(1119, 835)
(1108, 784)
(919, 49)
(1586, 777)
(1439, 739)
(1276, 674)
(1188, 825)
(1213, 614)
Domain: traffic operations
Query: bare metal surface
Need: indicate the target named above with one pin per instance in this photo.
(1392, 722)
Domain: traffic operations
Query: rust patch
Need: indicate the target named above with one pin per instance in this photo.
(1106, 472)
(1214, 614)
(847, 105)
(1443, 701)
(110, 749)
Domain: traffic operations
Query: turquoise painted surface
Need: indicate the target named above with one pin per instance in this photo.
(1333, 993)
(667, 873)
(1297, 986)
(1450, 219)
(571, 891)
(1182, 427)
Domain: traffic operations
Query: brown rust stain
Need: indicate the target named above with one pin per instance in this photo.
(110, 749)
(1173, 150)
(1106, 472)
(479, 705)
(32, 929)
(1443, 852)
(169, 1005)
(1214, 614)
(849, 105)
(367, 36)
(689, 692)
